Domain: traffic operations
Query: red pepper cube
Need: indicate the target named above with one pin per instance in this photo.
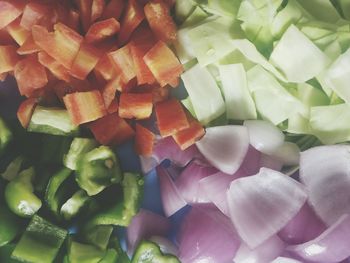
(111, 130)
(102, 30)
(9, 58)
(30, 75)
(105, 68)
(25, 111)
(110, 90)
(114, 9)
(55, 67)
(189, 136)
(84, 7)
(163, 64)
(133, 16)
(85, 61)
(85, 106)
(162, 24)
(133, 105)
(10, 11)
(97, 9)
(123, 63)
(144, 141)
(17, 32)
(32, 14)
(171, 117)
(28, 47)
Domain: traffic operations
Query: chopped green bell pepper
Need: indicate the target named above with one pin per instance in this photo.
(13, 169)
(115, 244)
(149, 252)
(59, 189)
(40, 243)
(111, 256)
(122, 212)
(83, 253)
(78, 148)
(5, 254)
(74, 205)
(10, 225)
(5, 136)
(98, 169)
(55, 121)
(97, 235)
(19, 194)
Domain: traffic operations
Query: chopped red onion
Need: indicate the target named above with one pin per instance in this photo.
(325, 171)
(206, 235)
(147, 164)
(165, 245)
(144, 225)
(303, 227)
(251, 164)
(333, 245)
(285, 260)
(171, 199)
(188, 182)
(262, 204)
(266, 252)
(215, 187)
(264, 136)
(225, 147)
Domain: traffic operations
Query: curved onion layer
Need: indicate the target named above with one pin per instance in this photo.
(262, 204)
(144, 225)
(251, 164)
(266, 252)
(165, 245)
(285, 260)
(303, 227)
(225, 147)
(171, 199)
(325, 171)
(331, 246)
(188, 182)
(215, 188)
(206, 235)
(264, 136)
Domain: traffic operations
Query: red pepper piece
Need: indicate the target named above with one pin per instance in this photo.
(133, 105)
(102, 30)
(144, 141)
(25, 111)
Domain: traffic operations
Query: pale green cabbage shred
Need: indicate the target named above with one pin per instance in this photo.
(284, 61)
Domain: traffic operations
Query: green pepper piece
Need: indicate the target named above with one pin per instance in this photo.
(19, 194)
(10, 225)
(40, 243)
(5, 136)
(13, 169)
(111, 256)
(97, 235)
(149, 252)
(74, 204)
(55, 121)
(122, 212)
(83, 253)
(78, 148)
(54, 148)
(5, 254)
(122, 256)
(98, 169)
(65, 259)
(58, 189)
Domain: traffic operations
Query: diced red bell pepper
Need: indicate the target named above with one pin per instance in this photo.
(85, 106)
(144, 141)
(109, 91)
(162, 24)
(9, 58)
(134, 105)
(28, 47)
(114, 9)
(17, 32)
(85, 61)
(25, 111)
(30, 75)
(85, 12)
(171, 117)
(124, 63)
(189, 136)
(32, 14)
(163, 64)
(111, 129)
(105, 68)
(132, 18)
(55, 67)
(159, 93)
(102, 30)
(97, 9)
(9, 11)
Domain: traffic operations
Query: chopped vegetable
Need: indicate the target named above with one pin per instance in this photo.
(5, 136)
(137, 106)
(78, 148)
(148, 252)
(144, 141)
